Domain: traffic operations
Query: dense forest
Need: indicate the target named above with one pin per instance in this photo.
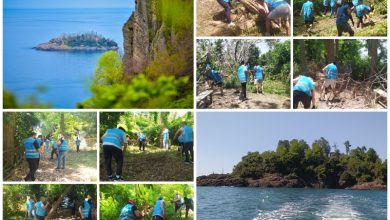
(84, 39)
(114, 197)
(295, 163)
(324, 25)
(61, 198)
(137, 166)
(225, 56)
(361, 64)
(19, 125)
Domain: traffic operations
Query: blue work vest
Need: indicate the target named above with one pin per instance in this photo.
(187, 134)
(141, 136)
(241, 73)
(78, 141)
(342, 14)
(331, 72)
(114, 137)
(64, 146)
(29, 148)
(304, 84)
(166, 135)
(275, 3)
(86, 209)
(30, 205)
(39, 210)
(157, 211)
(308, 10)
(361, 10)
(127, 213)
(258, 72)
(54, 144)
(216, 76)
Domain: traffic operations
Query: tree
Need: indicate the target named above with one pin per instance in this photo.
(303, 66)
(330, 55)
(373, 54)
(347, 147)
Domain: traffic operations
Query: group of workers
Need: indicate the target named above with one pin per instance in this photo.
(131, 212)
(36, 145)
(342, 10)
(304, 87)
(115, 141)
(274, 10)
(39, 210)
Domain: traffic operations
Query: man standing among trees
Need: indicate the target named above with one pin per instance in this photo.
(242, 76)
(159, 209)
(53, 148)
(30, 208)
(113, 140)
(188, 141)
(32, 153)
(78, 141)
(141, 141)
(62, 149)
(258, 78)
(86, 209)
(331, 74)
(166, 139)
(41, 208)
(304, 92)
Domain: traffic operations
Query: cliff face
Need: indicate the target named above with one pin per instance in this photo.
(142, 36)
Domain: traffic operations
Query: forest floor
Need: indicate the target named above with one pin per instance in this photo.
(154, 164)
(230, 100)
(326, 26)
(211, 21)
(79, 167)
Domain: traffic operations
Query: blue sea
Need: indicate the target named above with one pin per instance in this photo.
(283, 203)
(64, 76)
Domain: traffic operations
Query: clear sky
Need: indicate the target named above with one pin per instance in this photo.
(68, 3)
(224, 137)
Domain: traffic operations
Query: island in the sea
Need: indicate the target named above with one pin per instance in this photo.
(79, 42)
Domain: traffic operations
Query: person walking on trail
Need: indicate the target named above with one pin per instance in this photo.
(259, 78)
(308, 14)
(130, 212)
(242, 76)
(278, 9)
(53, 149)
(331, 74)
(343, 15)
(30, 208)
(159, 209)
(226, 4)
(61, 150)
(303, 91)
(214, 77)
(41, 208)
(362, 11)
(32, 150)
(78, 141)
(141, 141)
(166, 139)
(86, 209)
(188, 141)
(113, 140)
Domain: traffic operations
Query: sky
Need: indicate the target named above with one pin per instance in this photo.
(68, 3)
(224, 137)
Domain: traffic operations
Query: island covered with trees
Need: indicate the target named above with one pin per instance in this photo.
(296, 164)
(79, 42)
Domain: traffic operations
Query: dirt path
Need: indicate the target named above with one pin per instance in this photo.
(79, 167)
(230, 100)
(326, 26)
(152, 165)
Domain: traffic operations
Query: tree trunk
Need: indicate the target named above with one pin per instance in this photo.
(303, 66)
(329, 51)
(62, 124)
(57, 203)
(337, 49)
(373, 54)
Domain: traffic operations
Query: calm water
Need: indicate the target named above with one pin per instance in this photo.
(267, 203)
(65, 74)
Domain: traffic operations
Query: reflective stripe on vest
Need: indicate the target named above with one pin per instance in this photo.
(64, 145)
(30, 151)
(114, 137)
(241, 73)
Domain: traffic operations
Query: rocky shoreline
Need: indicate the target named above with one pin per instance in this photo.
(276, 181)
(56, 47)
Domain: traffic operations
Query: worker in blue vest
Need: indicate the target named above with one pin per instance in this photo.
(30, 208)
(159, 209)
(141, 141)
(165, 139)
(53, 148)
(362, 11)
(304, 92)
(226, 4)
(242, 74)
(113, 140)
(258, 76)
(86, 209)
(130, 211)
(308, 14)
(278, 9)
(188, 141)
(78, 141)
(61, 150)
(41, 208)
(214, 77)
(343, 15)
(331, 75)
(32, 148)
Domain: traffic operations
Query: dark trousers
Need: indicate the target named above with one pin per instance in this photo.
(109, 152)
(243, 91)
(326, 9)
(54, 151)
(157, 217)
(189, 149)
(78, 148)
(40, 217)
(142, 145)
(226, 6)
(33, 165)
(299, 96)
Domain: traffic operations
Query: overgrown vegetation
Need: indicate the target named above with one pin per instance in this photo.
(319, 162)
(114, 197)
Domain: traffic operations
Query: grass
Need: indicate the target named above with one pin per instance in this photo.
(272, 87)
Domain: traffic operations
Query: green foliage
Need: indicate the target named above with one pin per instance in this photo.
(114, 197)
(109, 69)
(84, 39)
(314, 164)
